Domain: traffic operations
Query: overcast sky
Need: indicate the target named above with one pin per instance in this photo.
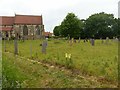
(54, 11)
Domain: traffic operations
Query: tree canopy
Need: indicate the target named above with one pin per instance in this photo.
(100, 25)
(71, 26)
(56, 31)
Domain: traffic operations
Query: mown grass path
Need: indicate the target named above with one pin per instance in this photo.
(38, 74)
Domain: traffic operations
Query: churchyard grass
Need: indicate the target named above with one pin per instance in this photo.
(100, 61)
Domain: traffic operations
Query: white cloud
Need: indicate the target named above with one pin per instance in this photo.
(54, 11)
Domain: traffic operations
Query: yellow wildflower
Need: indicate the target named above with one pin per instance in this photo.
(69, 56)
(66, 55)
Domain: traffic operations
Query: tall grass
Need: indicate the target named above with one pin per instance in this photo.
(99, 60)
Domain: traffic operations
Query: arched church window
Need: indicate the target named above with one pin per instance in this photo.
(37, 30)
(25, 30)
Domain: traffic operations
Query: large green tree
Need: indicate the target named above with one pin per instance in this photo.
(56, 31)
(99, 25)
(116, 27)
(71, 26)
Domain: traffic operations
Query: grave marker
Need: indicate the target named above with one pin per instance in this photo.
(74, 40)
(107, 40)
(116, 39)
(102, 40)
(79, 40)
(15, 46)
(44, 46)
(92, 42)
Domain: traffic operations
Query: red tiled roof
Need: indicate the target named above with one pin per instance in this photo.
(6, 28)
(47, 34)
(5, 20)
(28, 19)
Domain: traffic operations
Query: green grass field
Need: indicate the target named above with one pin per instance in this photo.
(90, 66)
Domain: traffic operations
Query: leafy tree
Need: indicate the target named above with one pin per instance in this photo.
(71, 26)
(56, 31)
(99, 25)
(116, 27)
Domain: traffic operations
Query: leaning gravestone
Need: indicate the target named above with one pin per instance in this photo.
(92, 42)
(44, 46)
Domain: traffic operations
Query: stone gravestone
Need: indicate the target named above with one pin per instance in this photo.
(102, 40)
(74, 40)
(113, 38)
(23, 38)
(68, 39)
(79, 40)
(116, 39)
(84, 40)
(107, 40)
(70, 42)
(44, 46)
(15, 46)
(92, 42)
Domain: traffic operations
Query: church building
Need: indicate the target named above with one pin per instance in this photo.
(27, 26)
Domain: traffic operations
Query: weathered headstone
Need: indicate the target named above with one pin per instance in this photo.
(74, 40)
(70, 42)
(102, 41)
(92, 42)
(68, 39)
(44, 46)
(107, 40)
(84, 40)
(113, 39)
(79, 40)
(23, 38)
(116, 39)
(15, 46)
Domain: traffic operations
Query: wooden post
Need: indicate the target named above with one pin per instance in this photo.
(15, 44)
(4, 45)
(30, 49)
(31, 42)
